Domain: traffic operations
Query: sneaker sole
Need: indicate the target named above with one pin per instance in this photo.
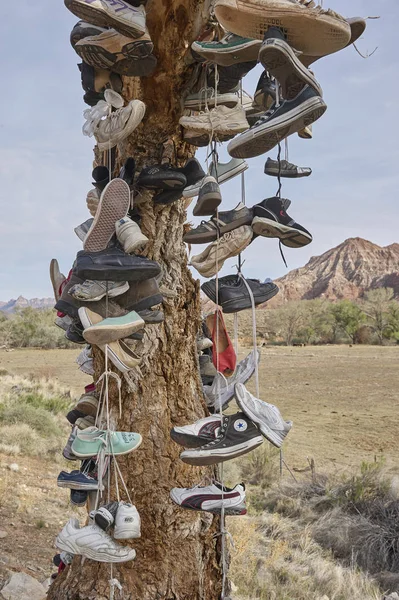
(207, 204)
(77, 486)
(267, 136)
(227, 175)
(113, 206)
(226, 57)
(110, 453)
(212, 457)
(67, 546)
(289, 236)
(118, 363)
(105, 334)
(120, 273)
(98, 56)
(281, 62)
(102, 18)
(188, 441)
(113, 293)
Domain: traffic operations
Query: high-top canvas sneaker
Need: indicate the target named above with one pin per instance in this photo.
(219, 120)
(92, 542)
(237, 436)
(265, 93)
(119, 125)
(200, 433)
(130, 236)
(231, 49)
(272, 220)
(127, 522)
(123, 17)
(266, 416)
(212, 498)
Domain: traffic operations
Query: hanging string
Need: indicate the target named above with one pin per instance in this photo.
(254, 336)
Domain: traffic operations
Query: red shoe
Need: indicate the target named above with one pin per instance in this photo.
(224, 358)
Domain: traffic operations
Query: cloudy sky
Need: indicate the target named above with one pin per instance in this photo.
(45, 162)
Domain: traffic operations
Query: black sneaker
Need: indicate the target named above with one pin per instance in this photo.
(283, 168)
(229, 77)
(96, 81)
(128, 170)
(265, 93)
(271, 220)
(161, 177)
(74, 333)
(167, 196)
(82, 29)
(233, 294)
(209, 197)
(192, 171)
(112, 264)
(237, 436)
(282, 63)
(78, 497)
(74, 414)
(100, 174)
(278, 123)
(226, 221)
(105, 516)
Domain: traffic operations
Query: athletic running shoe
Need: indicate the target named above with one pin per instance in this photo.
(200, 433)
(225, 221)
(129, 20)
(219, 120)
(211, 260)
(233, 294)
(271, 220)
(283, 168)
(130, 236)
(212, 498)
(119, 124)
(127, 523)
(92, 291)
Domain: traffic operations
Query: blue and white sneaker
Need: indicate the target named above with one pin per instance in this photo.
(76, 480)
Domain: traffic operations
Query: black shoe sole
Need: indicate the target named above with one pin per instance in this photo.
(120, 273)
(188, 441)
(146, 303)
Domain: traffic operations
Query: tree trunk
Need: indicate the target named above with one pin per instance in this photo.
(177, 556)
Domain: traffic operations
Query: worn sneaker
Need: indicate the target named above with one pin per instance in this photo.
(78, 497)
(127, 522)
(142, 295)
(83, 29)
(74, 333)
(231, 49)
(266, 416)
(282, 63)
(104, 516)
(219, 393)
(57, 278)
(283, 168)
(212, 498)
(85, 361)
(271, 220)
(67, 451)
(207, 98)
(92, 291)
(229, 78)
(200, 433)
(203, 343)
(161, 177)
(202, 139)
(85, 422)
(93, 543)
(63, 322)
(152, 316)
(225, 221)
(226, 171)
(129, 236)
(96, 81)
(209, 197)
(113, 264)
(278, 123)
(219, 120)
(92, 201)
(233, 295)
(90, 441)
(207, 368)
(123, 17)
(76, 480)
(265, 93)
(99, 331)
(87, 404)
(121, 356)
(119, 124)
(211, 260)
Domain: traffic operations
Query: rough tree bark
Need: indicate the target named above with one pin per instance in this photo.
(177, 557)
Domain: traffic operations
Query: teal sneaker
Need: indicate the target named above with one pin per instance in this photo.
(100, 331)
(230, 50)
(90, 441)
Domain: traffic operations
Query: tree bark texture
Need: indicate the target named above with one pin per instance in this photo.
(178, 557)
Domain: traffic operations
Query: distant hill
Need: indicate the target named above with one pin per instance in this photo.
(21, 302)
(344, 272)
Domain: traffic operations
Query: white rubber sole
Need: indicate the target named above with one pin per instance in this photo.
(232, 173)
(105, 334)
(103, 18)
(63, 544)
(118, 362)
(293, 238)
(211, 457)
(126, 534)
(136, 116)
(109, 453)
(73, 486)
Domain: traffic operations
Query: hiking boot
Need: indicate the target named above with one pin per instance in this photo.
(67, 451)
(207, 368)
(209, 197)
(119, 124)
(211, 260)
(76, 480)
(161, 177)
(78, 498)
(119, 53)
(271, 220)
(92, 542)
(105, 13)
(99, 331)
(266, 416)
(225, 221)
(219, 393)
(307, 27)
(92, 291)
(113, 264)
(233, 295)
(127, 522)
(90, 441)
(141, 295)
(283, 168)
(278, 123)
(231, 49)
(229, 78)
(83, 29)
(207, 98)
(265, 94)
(114, 204)
(57, 278)
(237, 436)
(221, 120)
(200, 433)
(104, 516)
(129, 236)
(212, 498)
(282, 63)
(223, 354)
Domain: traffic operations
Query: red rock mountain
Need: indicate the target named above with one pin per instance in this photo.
(345, 272)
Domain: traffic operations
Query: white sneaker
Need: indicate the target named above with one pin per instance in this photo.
(119, 125)
(127, 522)
(220, 120)
(266, 416)
(130, 236)
(211, 498)
(123, 17)
(92, 201)
(92, 542)
(211, 260)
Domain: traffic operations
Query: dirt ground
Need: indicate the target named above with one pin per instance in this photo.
(343, 401)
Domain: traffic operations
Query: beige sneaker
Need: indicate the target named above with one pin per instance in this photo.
(130, 236)
(211, 260)
(57, 278)
(119, 125)
(88, 404)
(92, 201)
(306, 133)
(219, 120)
(308, 28)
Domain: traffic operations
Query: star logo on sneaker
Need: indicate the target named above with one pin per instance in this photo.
(240, 425)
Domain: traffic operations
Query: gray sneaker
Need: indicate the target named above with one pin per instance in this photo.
(285, 169)
(209, 197)
(91, 291)
(67, 451)
(82, 229)
(225, 171)
(226, 221)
